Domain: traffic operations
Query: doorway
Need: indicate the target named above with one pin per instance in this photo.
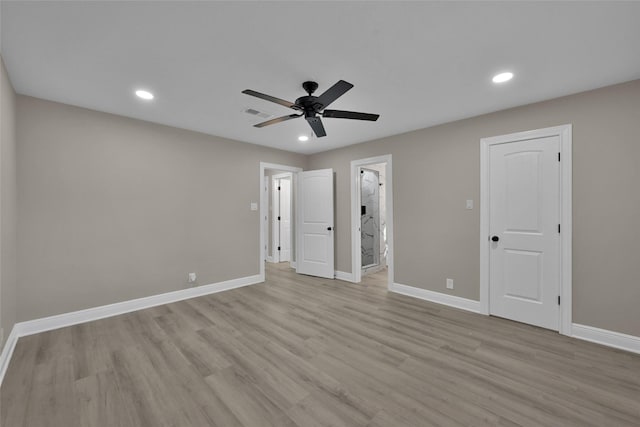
(266, 253)
(373, 229)
(311, 250)
(526, 227)
(372, 218)
(281, 211)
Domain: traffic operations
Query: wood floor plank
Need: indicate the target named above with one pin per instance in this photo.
(303, 351)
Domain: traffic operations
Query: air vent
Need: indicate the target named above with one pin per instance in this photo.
(257, 113)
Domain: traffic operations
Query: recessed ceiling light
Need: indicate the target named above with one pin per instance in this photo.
(303, 138)
(144, 94)
(502, 77)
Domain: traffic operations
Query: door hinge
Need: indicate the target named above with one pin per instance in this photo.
(558, 228)
(558, 156)
(279, 249)
(558, 299)
(278, 218)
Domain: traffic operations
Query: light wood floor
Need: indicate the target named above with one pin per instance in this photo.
(301, 351)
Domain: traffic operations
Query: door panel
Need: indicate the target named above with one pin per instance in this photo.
(315, 229)
(524, 214)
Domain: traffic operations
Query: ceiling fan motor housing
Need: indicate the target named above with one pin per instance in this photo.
(309, 87)
(309, 105)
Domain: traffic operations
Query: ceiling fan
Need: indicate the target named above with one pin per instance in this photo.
(310, 107)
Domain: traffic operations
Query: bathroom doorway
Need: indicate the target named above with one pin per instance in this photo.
(372, 213)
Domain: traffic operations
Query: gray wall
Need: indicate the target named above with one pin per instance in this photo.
(113, 208)
(7, 204)
(436, 169)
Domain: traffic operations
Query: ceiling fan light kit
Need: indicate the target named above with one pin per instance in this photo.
(313, 107)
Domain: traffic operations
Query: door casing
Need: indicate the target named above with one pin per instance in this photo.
(564, 132)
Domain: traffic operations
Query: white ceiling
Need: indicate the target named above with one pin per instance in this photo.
(416, 64)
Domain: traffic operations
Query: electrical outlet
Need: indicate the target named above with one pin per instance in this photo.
(449, 283)
(192, 278)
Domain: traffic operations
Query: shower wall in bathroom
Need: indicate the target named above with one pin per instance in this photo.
(370, 217)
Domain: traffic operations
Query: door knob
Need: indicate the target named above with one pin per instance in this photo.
(329, 228)
(495, 238)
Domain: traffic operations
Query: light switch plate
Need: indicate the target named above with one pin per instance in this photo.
(469, 204)
(254, 206)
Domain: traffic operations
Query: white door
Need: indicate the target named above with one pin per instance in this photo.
(315, 223)
(524, 212)
(285, 219)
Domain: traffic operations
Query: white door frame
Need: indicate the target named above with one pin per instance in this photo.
(264, 206)
(274, 221)
(564, 132)
(356, 255)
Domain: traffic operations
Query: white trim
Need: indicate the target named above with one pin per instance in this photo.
(605, 337)
(270, 259)
(356, 254)
(437, 297)
(95, 313)
(264, 207)
(347, 277)
(7, 352)
(564, 132)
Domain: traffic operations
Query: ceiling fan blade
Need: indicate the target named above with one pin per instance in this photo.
(278, 120)
(316, 125)
(333, 93)
(271, 98)
(339, 114)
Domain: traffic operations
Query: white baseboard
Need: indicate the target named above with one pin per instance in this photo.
(269, 258)
(437, 297)
(605, 337)
(7, 352)
(347, 277)
(75, 317)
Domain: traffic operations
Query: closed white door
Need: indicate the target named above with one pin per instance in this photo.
(524, 204)
(315, 223)
(285, 219)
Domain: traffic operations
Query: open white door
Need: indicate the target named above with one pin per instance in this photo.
(315, 224)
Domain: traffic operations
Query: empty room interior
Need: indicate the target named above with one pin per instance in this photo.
(319, 213)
